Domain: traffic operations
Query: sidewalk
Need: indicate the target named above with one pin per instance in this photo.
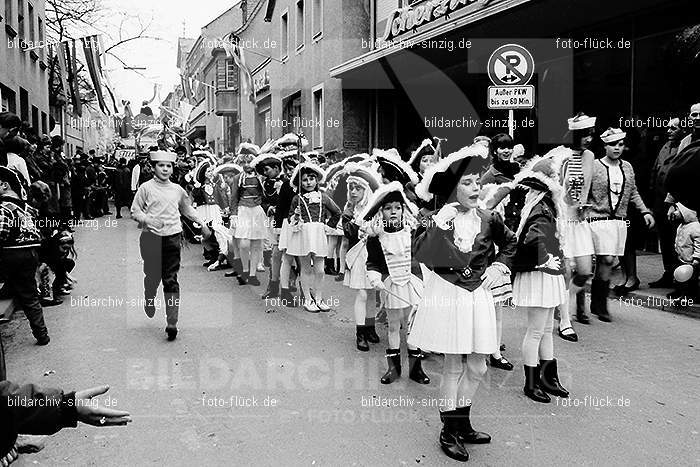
(650, 268)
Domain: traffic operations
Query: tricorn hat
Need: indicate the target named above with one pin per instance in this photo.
(442, 178)
(384, 194)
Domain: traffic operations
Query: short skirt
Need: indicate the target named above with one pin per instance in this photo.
(537, 288)
(453, 320)
(309, 238)
(251, 223)
(402, 296)
(210, 213)
(609, 237)
(578, 240)
(284, 235)
(356, 267)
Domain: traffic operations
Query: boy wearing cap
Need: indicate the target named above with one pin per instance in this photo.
(19, 251)
(157, 207)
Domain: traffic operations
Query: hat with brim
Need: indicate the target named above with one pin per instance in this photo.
(581, 122)
(228, 168)
(11, 177)
(307, 167)
(442, 177)
(542, 173)
(336, 169)
(248, 148)
(425, 149)
(363, 175)
(612, 135)
(390, 192)
(395, 169)
(200, 173)
(163, 156)
(292, 139)
(259, 162)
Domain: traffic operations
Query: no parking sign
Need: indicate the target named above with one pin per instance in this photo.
(510, 68)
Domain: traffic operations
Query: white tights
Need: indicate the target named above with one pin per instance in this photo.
(538, 343)
(461, 376)
(361, 308)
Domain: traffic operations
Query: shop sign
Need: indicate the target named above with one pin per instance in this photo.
(407, 19)
(262, 82)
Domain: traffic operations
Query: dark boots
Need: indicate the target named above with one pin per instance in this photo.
(581, 315)
(287, 298)
(361, 334)
(532, 387)
(329, 267)
(599, 299)
(466, 433)
(267, 258)
(393, 359)
(237, 265)
(450, 439)
(372, 335)
(415, 367)
(549, 379)
(273, 290)
(242, 278)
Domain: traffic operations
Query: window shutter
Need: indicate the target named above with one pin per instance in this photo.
(220, 74)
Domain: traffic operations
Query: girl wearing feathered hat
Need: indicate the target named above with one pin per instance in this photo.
(310, 212)
(362, 181)
(206, 203)
(539, 285)
(248, 220)
(502, 196)
(390, 271)
(456, 315)
(613, 189)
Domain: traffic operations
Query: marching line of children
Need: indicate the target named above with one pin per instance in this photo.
(439, 275)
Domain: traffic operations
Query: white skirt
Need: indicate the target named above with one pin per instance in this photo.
(537, 288)
(310, 238)
(609, 237)
(284, 235)
(251, 223)
(212, 213)
(402, 296)
(356, 267)
(453, 320)
(578, 240)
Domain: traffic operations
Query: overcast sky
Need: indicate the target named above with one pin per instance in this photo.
(158, 56)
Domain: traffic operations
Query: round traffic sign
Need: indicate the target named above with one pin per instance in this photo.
(511, 65)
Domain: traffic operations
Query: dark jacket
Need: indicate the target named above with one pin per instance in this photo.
(350, 229)
(376, 261)
(270, 195)
(516, 201)
(284, 203)
(33, 411)
(435, 249)
(539, 239)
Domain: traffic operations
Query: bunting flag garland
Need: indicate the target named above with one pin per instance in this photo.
(92, 61)
(234, 52)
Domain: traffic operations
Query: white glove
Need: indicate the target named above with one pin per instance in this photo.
(375, 280)
(552, 262)
(445, 215)
(492, 274)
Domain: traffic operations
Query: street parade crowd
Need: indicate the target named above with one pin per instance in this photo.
(441, 245)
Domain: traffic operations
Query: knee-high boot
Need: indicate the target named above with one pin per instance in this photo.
(393, 360)
(599, 299)
(415, 367)
(450, 440)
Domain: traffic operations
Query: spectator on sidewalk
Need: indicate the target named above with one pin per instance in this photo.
(695, 133)
(122, 187)
(688, 249)
(660, 208)
(32, 410)
(19, 251)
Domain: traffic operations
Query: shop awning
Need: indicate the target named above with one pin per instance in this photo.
(443, 27)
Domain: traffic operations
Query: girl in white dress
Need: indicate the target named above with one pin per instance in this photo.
(456, 315)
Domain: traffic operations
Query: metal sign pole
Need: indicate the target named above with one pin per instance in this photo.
(511, 123)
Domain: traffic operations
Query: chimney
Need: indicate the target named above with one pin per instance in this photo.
(244, 10)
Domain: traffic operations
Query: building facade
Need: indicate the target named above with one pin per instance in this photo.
(289, 45)
(23, 73)
(424, 69)
(212, 78)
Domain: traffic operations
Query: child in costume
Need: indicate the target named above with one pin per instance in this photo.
(456, 315)
(284, 203)
(157, 206)
(389, 270)
(248, 220)
(310, 212)
(361, 182)
(269, 166)
(207, 206)
(228, 172)
(539, 285)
